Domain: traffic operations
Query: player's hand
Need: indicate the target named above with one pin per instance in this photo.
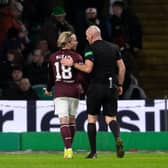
(67, 61)
(46, 92)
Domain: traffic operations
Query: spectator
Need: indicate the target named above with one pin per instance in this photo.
(17, 40)
(11, 42)
(126, 32)
(30, 15)
(126, 29)
(13, 59)
(37, 70)
(9, 16)
(91, 17)
(54, 26)
(16, 74)
(20, 90)
(25, 90)
(11, 92)
(43, 45)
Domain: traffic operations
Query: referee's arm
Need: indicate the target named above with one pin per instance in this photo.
(121, 72)
(86, 67)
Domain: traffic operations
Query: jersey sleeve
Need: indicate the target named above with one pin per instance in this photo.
(118, 54)
(89, 54)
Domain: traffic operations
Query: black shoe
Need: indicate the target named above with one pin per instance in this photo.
(91, 156)
(119, 148)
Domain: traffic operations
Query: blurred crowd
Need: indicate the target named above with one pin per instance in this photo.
(28, 35)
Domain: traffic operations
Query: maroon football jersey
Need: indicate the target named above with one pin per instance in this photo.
(65, 79)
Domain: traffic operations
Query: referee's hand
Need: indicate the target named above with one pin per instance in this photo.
(67, 61)
(120, 90)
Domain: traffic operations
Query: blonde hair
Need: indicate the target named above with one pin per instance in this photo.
(64, 38)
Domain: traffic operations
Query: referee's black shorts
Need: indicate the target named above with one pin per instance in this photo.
(100, 95)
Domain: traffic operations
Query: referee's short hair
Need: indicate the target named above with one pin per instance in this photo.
(64, 38)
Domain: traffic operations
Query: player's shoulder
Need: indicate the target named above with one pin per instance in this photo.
(73, 52)
(54, 53)
(68, 52)
(75, 55)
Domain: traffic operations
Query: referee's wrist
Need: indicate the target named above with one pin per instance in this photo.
(119, 85)
(73, 64)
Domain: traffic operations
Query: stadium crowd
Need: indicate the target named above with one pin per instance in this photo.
(28, 36)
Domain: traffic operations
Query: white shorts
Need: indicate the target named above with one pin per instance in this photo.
(66, 106)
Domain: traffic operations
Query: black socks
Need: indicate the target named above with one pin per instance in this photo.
(115, 128)
(92, 136)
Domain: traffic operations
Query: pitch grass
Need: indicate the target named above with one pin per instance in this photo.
(104, 160)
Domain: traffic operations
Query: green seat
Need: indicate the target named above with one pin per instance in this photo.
(39, 89)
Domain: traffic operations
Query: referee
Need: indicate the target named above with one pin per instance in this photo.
(106, 68)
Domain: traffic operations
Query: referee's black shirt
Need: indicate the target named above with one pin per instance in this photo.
(104, 55)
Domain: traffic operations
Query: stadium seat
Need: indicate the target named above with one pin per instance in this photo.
(39, 89)
(134, 91)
